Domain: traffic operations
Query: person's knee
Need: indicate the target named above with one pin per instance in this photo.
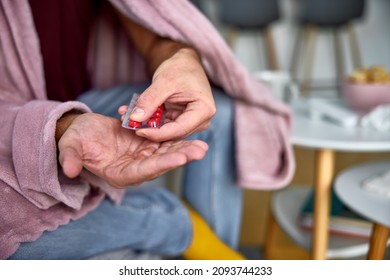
(168, 228)
(181, 237)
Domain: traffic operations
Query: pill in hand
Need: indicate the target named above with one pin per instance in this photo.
(134, 124)
(155, 121)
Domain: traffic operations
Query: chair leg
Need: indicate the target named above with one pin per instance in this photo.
(270, 48)
(231, 37)
(355, 51)
(378, 241)
(339, 56)
(296, 55)
(310, 35)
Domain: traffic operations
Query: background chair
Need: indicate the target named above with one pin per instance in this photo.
(349, 186)
(333, 15)
(198, 4)
(252, 15)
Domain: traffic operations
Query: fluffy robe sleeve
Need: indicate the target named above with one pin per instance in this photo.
(28, 154)
(35, 195)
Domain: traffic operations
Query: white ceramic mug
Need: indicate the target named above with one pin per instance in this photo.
(280, 83)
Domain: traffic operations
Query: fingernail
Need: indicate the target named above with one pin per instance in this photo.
(137, 113)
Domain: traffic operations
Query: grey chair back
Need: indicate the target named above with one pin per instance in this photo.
(330, 12)
(248, 13)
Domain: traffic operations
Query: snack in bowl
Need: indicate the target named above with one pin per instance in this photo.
(367, 88)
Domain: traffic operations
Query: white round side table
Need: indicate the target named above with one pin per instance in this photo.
(371, 205)
(325, 138)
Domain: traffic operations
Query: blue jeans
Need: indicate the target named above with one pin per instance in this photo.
(208, 185)
(144, 221)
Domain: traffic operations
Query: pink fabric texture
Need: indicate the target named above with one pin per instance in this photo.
(35, 195)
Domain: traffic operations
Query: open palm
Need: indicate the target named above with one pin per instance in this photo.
(118, 155)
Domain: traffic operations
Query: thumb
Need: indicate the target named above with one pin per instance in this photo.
(70, 159)
(147, 104)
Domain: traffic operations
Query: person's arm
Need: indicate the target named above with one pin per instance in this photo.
(155, 49)
(64, 122)
(179, 81)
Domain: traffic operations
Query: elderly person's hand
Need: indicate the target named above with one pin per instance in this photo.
(116, 154)
(180, 83)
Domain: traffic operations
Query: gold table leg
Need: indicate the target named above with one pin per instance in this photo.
(378, 241)
(324, 170)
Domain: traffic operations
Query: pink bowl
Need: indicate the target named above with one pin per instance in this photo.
(365, 97)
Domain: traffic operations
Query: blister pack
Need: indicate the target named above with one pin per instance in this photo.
(155, 121)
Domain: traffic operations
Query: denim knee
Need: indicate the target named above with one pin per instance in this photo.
(167, 225)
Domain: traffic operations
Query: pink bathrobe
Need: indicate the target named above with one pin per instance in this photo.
(35, 195)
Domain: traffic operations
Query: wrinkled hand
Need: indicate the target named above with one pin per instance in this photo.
(118, 155)
(181, 83)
